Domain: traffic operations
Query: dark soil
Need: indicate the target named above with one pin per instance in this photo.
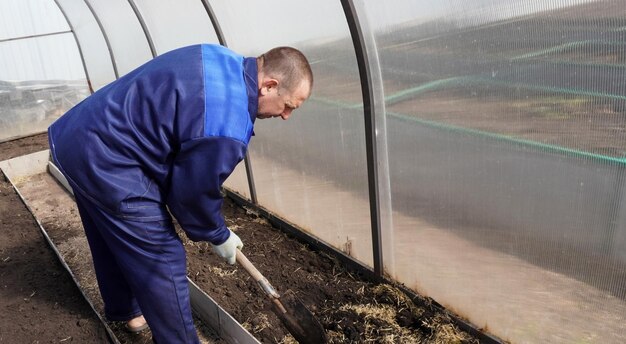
(351, 309)
(39, 301)
(26, 145)
(57, 213)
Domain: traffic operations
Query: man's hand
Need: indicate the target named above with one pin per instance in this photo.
(228, 249)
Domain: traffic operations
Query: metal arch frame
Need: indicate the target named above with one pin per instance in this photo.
(106, 38)
(80, 52)
(369, 105)
(369, 109)
(216, 24)
(365, 75)
(144, 27)
(41, 34)
(80, 49)
(370, 126)
(222, 39)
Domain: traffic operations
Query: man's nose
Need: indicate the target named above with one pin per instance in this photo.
(285, 115)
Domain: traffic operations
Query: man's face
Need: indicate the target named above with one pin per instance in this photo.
(275, 103)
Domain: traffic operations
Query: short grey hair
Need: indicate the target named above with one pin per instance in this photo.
(288, 65)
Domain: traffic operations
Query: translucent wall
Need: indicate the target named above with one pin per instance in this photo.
(95, 51)
(174, 24)
(506, 142)
(22, 18)
(123, 32)
(41, 74)
(310, 169)
(503, 133)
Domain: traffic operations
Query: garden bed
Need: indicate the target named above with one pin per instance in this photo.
(57, 213)
(40, 303)
(350, 308)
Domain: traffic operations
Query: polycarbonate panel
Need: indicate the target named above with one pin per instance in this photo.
(93, 46)
(21, 18)
(127, 40)
(173, 24)
(40, 78)
(506, 132)
(310, 169)
(238, 181)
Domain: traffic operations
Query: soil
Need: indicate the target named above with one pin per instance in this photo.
(26, 145)
(57, 213)
(350, 308)
(40, 303)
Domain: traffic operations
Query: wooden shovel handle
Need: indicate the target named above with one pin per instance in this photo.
(264, 284)
(249, 267)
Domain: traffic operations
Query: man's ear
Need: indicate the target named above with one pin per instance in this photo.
(267, 85)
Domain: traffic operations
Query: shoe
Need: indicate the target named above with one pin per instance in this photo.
(136, 329)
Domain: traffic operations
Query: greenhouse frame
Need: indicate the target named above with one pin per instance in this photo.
(439, 151)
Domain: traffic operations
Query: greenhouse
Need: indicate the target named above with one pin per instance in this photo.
(454, 174)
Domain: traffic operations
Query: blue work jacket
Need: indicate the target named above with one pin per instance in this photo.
(166, 134)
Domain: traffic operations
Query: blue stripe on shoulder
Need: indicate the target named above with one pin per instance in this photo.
(226, 99)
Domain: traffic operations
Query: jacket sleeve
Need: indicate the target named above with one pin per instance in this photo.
(198, 172)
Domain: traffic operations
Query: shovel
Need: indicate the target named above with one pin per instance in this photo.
(300, 322)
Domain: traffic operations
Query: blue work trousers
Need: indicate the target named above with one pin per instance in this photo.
(141, 269)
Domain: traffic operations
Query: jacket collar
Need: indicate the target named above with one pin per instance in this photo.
(251, 75)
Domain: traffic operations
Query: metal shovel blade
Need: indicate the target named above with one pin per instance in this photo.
(291, 311)
(300, 322)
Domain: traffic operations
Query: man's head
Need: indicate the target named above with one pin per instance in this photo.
(285, 82)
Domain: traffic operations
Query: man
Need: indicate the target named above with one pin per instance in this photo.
(166, 136)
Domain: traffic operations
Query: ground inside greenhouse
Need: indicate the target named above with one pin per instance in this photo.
(39, 301)
(350, 308)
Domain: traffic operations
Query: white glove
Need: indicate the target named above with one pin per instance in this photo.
(228, 249)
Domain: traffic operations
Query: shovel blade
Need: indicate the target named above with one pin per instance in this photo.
(300, 322)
